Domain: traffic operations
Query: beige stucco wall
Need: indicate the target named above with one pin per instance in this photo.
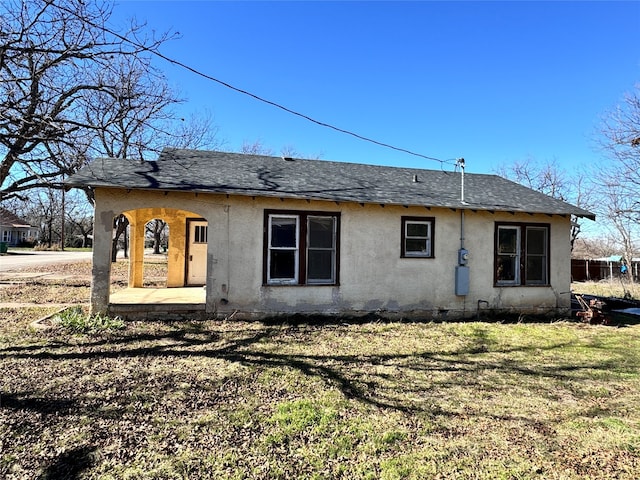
(373, 277)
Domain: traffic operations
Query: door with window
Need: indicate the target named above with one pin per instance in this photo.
(197, 233)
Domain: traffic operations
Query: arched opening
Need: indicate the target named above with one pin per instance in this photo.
(167, 254)
(155, 258)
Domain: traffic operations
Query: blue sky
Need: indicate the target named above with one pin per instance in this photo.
(493, 82)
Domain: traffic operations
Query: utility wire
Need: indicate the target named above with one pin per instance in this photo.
(157, 53)
(293, 112)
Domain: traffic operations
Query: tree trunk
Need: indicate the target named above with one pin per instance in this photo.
(121, 224)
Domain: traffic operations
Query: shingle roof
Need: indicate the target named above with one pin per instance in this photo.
(9, 219)
(260, 175)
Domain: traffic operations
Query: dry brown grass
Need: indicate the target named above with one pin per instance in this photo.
(365, 401)
(376, 400)
(608, 288)
(70, 283)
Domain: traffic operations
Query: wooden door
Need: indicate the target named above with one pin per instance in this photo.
(197, 232)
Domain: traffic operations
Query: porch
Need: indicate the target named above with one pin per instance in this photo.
(158, 303)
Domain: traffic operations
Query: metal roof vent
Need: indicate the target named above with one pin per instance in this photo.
(288, 159)
(415, 179)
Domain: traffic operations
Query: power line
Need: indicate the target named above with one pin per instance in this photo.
(157, 53)
(293, 112)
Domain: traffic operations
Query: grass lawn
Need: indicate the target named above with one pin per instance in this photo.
(614, 288)
(236, 400)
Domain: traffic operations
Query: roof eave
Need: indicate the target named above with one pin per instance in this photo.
(279, 194)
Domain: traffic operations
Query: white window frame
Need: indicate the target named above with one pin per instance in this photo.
(295, 249)
(406, 221)
(302, 247)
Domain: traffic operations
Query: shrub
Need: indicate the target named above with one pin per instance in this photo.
(45, 247)
(76, 320)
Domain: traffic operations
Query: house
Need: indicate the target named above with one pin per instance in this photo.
(269, 236)
(15, 231)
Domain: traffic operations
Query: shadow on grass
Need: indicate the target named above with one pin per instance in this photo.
(69, 465)
(41, 405)
(355, 375)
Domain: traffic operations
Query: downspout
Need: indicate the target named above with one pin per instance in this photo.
(462, 270)
(461, 165)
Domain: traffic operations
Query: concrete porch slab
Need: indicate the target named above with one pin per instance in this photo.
(158, 303)
(143, 296)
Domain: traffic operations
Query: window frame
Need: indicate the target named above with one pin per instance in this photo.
(301, 249)
(405, 220)
(201, 234)
(522, 254)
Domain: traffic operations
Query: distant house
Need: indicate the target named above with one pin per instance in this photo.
(14, 230)
(270, 236)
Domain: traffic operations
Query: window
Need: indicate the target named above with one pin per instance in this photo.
(284, 240)
(301, 248)
(417, 237)
(521, 256)
(200, 234)
(6, 236)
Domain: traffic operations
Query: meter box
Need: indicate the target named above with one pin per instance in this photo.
(462, 280)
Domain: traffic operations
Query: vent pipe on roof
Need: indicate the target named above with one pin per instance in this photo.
(460, 163)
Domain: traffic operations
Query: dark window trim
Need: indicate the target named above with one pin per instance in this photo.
(404, 220)
(302, 247)
(523, 250)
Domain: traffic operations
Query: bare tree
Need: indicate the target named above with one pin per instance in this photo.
(131, 121)
(157, 230)
(545, 177)
(550, 179)
(621, 143)
(72, 90)
(287, 151)
(52, 57)
(255, 148)
(140, 121)
(197, 131)
(621, 211)
(44, 211)
(78, 220)
(619, 179)
(599, 246)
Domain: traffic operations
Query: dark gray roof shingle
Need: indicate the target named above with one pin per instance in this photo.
(260, 175)
(9, 219)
